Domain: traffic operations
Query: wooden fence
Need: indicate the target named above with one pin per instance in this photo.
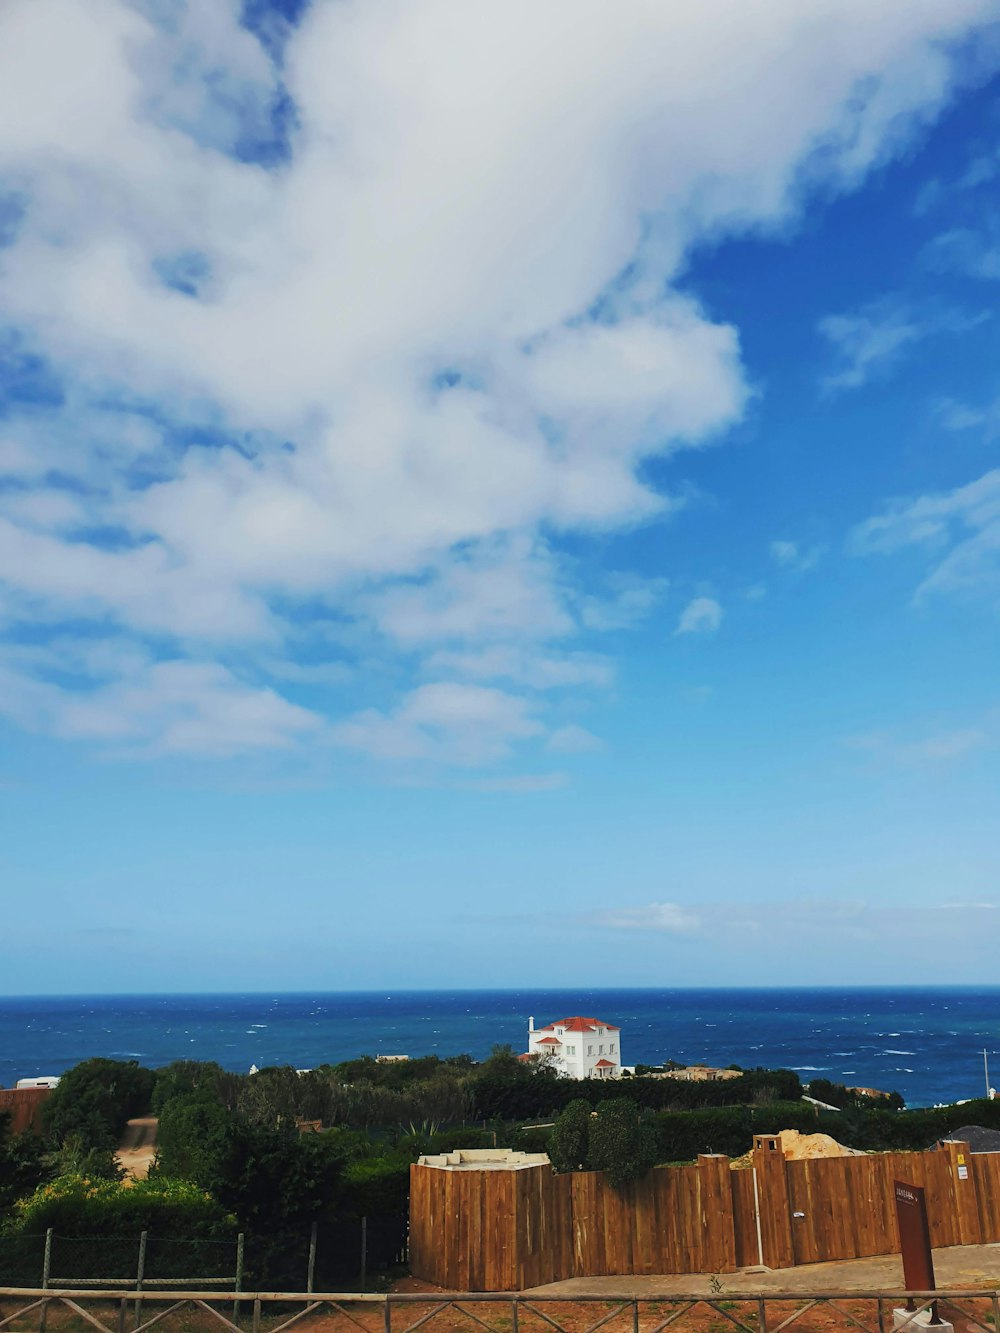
(505, 1230)
(24, 1106)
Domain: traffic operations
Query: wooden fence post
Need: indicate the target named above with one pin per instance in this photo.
(46, 1270)
(718, 1225)
(140, 1273)
(238, 1284)
(311, 1265)
(777, 1250)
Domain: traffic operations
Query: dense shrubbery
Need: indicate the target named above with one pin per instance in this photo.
(95, 1099)
(231, 1158)
(836, 1094)
(23, 1164)
(75, 1206)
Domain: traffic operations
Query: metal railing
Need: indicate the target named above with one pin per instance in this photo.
(23, 1309)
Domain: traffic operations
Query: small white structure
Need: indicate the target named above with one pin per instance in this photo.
(44, 1081)
(579, 1047)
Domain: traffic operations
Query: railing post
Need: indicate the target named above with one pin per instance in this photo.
(122, 1314)
(364, 1252)
(387, 1315)
(238, 1284)
(140, 1273)
(311, 1267)
(256, 1315)
(46, 1270)
(761, 1315)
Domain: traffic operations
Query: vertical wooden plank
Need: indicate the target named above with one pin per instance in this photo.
(717, 1213)
(744, 1225)
(963, 1183)
(772, 1187)
(986, 1167)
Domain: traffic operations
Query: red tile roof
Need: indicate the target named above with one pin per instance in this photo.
(604, 1064)
(578, 1024)
(542, 1041)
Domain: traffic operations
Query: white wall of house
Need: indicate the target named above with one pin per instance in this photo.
(579, 1047)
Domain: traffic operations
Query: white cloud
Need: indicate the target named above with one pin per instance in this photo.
(444, 723)
(960, 528)
(539, 671)
(940, 745)
(974, 253)
(525, 784)
(574, 739)
(380, 379)
(671, 918)
(790, 555)
(957, 416)
(161, 708)
(783, 924)
(869, 341)
(703, 615)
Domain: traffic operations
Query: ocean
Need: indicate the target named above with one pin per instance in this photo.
(926, 1043)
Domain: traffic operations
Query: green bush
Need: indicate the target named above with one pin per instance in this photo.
(95, 1099)
(569, 1143)
(621, 1143)
(77, 1206)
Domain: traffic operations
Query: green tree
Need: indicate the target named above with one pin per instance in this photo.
(183, 1077)
(95, 1100)
(191, 1137)
(620, 1143)
(23, 1163)
(569, 1142)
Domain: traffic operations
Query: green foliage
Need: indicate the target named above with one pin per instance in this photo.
(836, 1094)
(192, 1135)
(183, 1077)
(620, 1143)
(569, 1142)
(74, 1158)
(95, 1099)
(77, 1206)
(23, 1163)
(509, 1089)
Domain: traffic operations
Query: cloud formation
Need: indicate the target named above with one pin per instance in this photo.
(702, 615)
(959, 529)
(320, 345)
(868, 342)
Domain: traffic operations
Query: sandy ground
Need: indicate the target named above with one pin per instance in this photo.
(138, 1146)
(960, 1267)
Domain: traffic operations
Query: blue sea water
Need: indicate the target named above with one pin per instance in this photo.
(926, 1043)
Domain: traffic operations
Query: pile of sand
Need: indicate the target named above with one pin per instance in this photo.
(801, 1147)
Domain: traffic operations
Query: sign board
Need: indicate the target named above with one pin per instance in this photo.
(915, 1240)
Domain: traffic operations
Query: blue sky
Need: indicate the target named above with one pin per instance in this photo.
(498, 496)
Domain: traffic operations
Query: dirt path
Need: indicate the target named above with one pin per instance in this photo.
(138, 1146)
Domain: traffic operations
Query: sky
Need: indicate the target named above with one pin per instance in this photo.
(498, 493)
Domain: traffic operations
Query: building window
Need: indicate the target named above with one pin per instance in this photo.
(590, 1050)
(611, 1048)
(600, 1050)
(571, 1050)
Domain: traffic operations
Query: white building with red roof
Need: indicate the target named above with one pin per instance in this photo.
(579, 1047)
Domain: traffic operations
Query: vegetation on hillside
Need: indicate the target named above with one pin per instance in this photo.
(231, 1154)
